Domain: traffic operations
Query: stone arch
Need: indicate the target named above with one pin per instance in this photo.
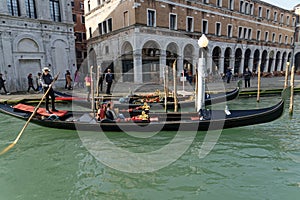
(172, 52)
(227, 58)
(150, 61)
(271, 60)
(263, 60)
(188, 55)
(238, 59)
(92, 58)
(256, 58)
(277, 61)
(216, 56)
(32, 41)
(127, 62)
(283, 62)
(247, 59)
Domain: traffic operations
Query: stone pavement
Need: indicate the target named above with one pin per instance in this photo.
(123, 89)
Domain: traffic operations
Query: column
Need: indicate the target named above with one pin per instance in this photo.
(266, 65)
(162, 64)
(241, 68)
(137, 66)
(273, 65)
(279, 64)
(179, 65)
(251, 63)
(221, 66)
(208, 63)
(231, 62)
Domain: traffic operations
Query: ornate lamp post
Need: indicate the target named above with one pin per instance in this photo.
(202, 42)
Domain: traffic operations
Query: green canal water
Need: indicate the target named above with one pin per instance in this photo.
(254, 162)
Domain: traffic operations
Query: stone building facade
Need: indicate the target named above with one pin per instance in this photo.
(35, 34)
(138, 38)
(80, 33)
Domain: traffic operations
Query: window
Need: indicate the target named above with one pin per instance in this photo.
(281, 18)
(258, 34)
(90, 32)
(218, 29)
(78, 54)
(249, 34)
(251, 9)
(126, 19)
(84, 36)
(240, 33)
(294, 21)
(189, 24)
(229, 30)
(286, 39)
(241, 6)
(260, 12)
(30, 8)
(266, 36)
(231, 5)
(268, 14)
(292, 40)
(74, 17)
(104, 26)
(275, 16)
(173, 22)
(98, 2)
(13, 7)
(273, 37)
(78, 37)
(89, 6)
(205, 1)
(109, 25)
(245, 33)
(72, 3)
(219, 3)
(55, 10)
(151, 18)
(280, 38)
(82, 19)
(100, 28)
(287, 20)
(205, 26)
(247, 11)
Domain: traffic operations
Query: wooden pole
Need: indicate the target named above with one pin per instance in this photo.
(286, 75)
(175, 87)
(196, 89)
(98, 79)
(31, 116)
(92, 91)
(258, 84)
(291, 109)
(165, 87)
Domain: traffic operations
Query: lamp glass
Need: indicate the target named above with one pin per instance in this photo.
(203, 41)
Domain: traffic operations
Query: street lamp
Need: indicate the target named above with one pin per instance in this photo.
(202, 42)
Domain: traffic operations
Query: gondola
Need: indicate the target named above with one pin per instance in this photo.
(128, 102)
(212, 120)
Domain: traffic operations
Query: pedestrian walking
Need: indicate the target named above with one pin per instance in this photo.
(30, 82)
(2, 84)
(38, 81)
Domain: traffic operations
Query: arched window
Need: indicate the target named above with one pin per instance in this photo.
(55, 10)
(30, 8)
(13, 7)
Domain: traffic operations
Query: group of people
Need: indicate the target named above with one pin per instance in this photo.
(247, 76)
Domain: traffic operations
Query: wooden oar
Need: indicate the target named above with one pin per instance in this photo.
(26, 124)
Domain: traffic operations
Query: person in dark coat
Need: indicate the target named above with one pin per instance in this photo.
(109, 80)
(47, 80)
(2, 84)
(247, 76)
(228, 74)
(30, 82)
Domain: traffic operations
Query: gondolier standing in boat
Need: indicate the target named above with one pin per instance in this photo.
(46, 81)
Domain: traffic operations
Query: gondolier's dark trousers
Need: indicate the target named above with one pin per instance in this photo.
(51, 94)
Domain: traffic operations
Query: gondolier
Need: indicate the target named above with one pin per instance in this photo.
(46, 81)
